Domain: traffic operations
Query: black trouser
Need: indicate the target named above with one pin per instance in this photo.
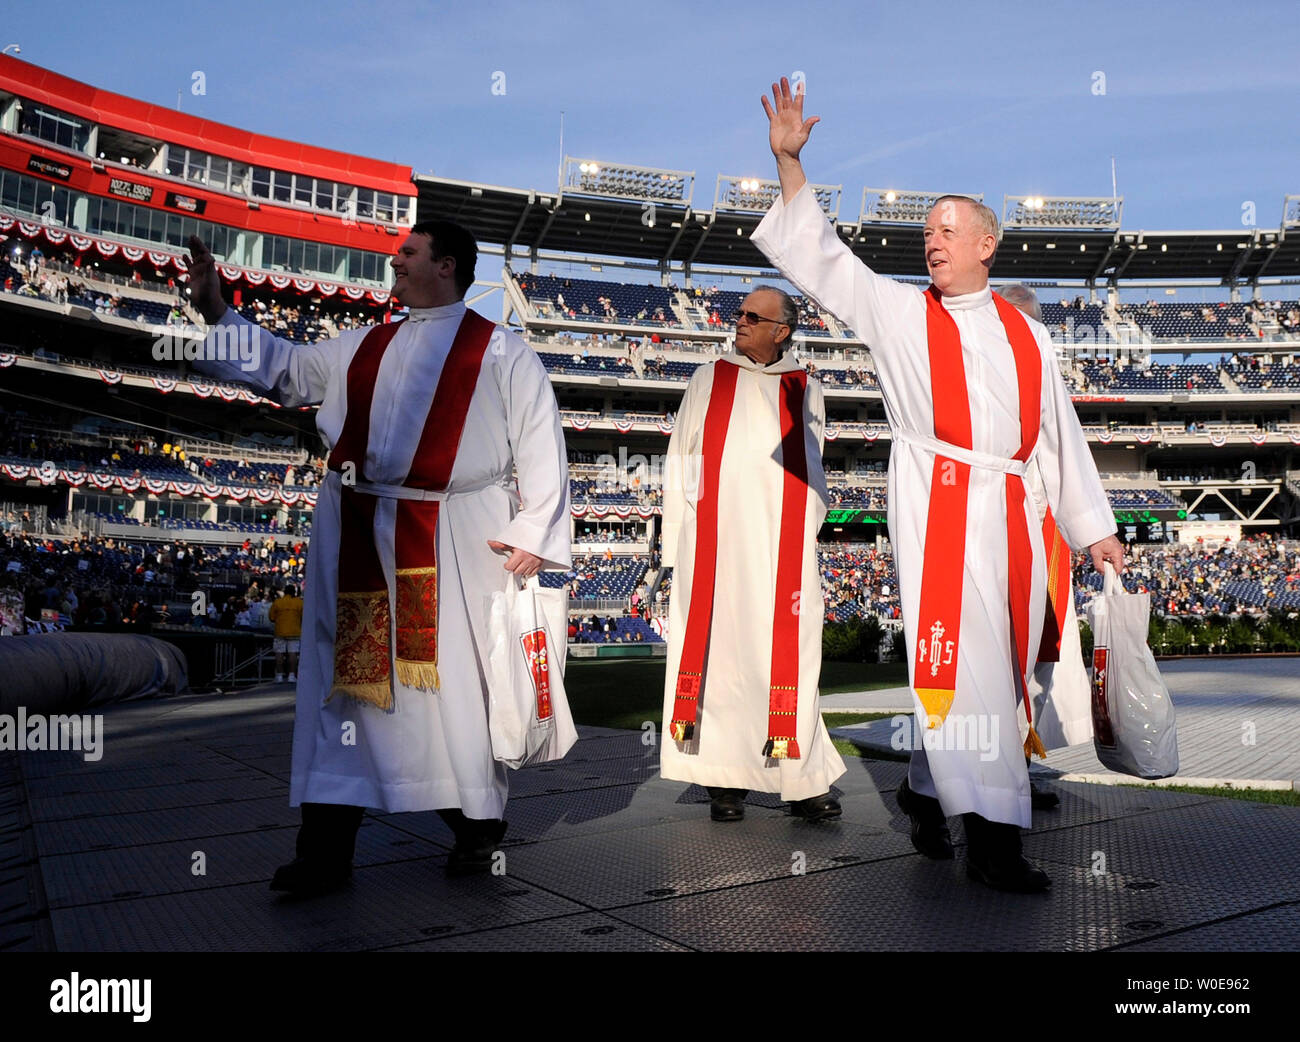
(991, 840)
(329, 831)
(471, 832)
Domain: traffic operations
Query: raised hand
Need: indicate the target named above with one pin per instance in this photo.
(205, 284)
(788, 131)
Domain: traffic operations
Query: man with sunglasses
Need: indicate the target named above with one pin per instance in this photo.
(979, 417)
(744, 497)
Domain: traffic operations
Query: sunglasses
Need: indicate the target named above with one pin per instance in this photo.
(754, 317)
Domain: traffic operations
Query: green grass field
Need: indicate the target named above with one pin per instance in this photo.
(628, 693)
(1281, 797)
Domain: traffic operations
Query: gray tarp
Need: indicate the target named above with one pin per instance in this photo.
(64, 672)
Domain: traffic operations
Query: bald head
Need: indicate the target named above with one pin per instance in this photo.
(1024, 298)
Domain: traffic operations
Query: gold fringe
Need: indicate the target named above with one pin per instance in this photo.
(379, 695)
(936, 701)
(682, 732)
(423, 675)
(1034, 745)
(780, 749)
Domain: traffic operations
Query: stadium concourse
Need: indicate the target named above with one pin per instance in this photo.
(136, 495)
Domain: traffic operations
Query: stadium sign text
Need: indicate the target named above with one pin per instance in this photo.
(49, 168)
(132, 190)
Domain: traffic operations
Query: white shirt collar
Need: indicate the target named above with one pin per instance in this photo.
(785, 364)
(429, 314)
(965, 301)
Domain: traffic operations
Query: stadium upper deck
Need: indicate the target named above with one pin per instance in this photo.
(90, 167)
(605, 213)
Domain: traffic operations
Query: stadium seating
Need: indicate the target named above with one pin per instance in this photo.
(613, 579)
(1153, 379)
(632, 304)
(1187, 321)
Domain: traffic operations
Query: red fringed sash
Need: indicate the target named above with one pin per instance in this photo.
(690, 670)
(783, 691)
(783, 696)
(945, 531)
(943, 569)
(363, 644)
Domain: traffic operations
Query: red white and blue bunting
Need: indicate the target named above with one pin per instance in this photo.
(163, 260)
(155, 486)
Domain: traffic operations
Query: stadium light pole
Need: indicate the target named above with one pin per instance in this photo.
(12, 47)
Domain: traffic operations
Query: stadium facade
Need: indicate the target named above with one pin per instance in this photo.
(1192, 410)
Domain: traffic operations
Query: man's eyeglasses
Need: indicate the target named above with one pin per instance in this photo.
(753, 316)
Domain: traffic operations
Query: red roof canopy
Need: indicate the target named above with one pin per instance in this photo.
(155, 121)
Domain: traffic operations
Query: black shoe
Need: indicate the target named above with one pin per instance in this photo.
(475, 847)
(309, 877)
(1042, 799)
(817, 808)
(930, 834)
(325, 845)
(993, 857)
(727, 804)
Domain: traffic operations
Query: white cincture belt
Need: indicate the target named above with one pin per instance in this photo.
(372, 488)
(979, 460)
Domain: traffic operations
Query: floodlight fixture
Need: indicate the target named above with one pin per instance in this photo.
(625, 181)
(896, 206)
(756, 195)
(1097, 213)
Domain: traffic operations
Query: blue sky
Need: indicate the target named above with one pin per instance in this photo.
(1199, 104)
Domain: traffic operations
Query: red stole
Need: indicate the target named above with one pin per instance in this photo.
(783, 689)
(363, 644)
(943, 568)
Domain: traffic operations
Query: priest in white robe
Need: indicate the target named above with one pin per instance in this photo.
(976, 407)
(744, 498)
(408, 741)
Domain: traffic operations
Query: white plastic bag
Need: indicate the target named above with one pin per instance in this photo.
(1132, 715)
(528, 714)
(1061, 692)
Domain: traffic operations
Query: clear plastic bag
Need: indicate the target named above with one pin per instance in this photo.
(528, 713)
(1133, 722)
